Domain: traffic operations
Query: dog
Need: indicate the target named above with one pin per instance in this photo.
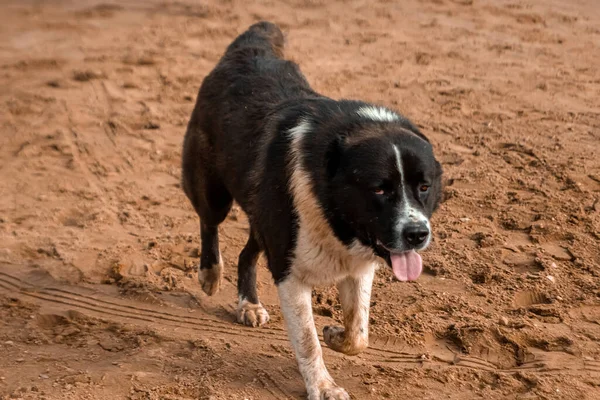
(330, 188)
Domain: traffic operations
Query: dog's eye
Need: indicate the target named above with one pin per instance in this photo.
(424, 188)
(382, 188)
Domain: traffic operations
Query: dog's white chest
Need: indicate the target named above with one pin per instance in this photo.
(323, 260)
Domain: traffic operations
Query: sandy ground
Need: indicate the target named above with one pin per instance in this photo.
(98, 245)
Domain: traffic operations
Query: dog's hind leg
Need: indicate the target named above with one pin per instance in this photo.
(210, 270)
(213, 210)
(211, 200)
(249, 312)
(355, 297)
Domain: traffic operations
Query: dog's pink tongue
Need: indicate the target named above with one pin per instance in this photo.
(407, 266)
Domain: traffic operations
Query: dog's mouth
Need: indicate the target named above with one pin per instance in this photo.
(406, 265)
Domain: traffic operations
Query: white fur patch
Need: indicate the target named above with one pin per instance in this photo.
(319, 257)
(378, 114)
(407, 212)
(355, 297)
(296, 306)
(251, 314)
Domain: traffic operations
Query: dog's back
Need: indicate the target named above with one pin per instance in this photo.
(263, 36)
(250, 81)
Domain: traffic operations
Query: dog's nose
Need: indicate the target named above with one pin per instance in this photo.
(415, 234)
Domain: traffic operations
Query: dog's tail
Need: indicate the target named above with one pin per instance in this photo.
(265, 35)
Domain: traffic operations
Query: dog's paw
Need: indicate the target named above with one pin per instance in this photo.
(210, 279)
(251, 314)
(335, 393)
(335, 337)
(329, 393)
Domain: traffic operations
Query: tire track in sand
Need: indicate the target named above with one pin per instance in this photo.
(382, 350)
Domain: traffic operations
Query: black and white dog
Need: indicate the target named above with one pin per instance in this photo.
(330, 187)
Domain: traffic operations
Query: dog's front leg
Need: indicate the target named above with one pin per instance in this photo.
(355, 297)
(296, 305)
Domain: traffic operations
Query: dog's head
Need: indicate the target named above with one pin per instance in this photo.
(385, 184)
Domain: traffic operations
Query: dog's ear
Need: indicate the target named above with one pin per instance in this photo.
(333, 156)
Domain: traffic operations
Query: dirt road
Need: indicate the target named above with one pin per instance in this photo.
(98, 245)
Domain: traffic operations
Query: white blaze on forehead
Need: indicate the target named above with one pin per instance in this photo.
(406, 209)
(407, 212)
(378, 114)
